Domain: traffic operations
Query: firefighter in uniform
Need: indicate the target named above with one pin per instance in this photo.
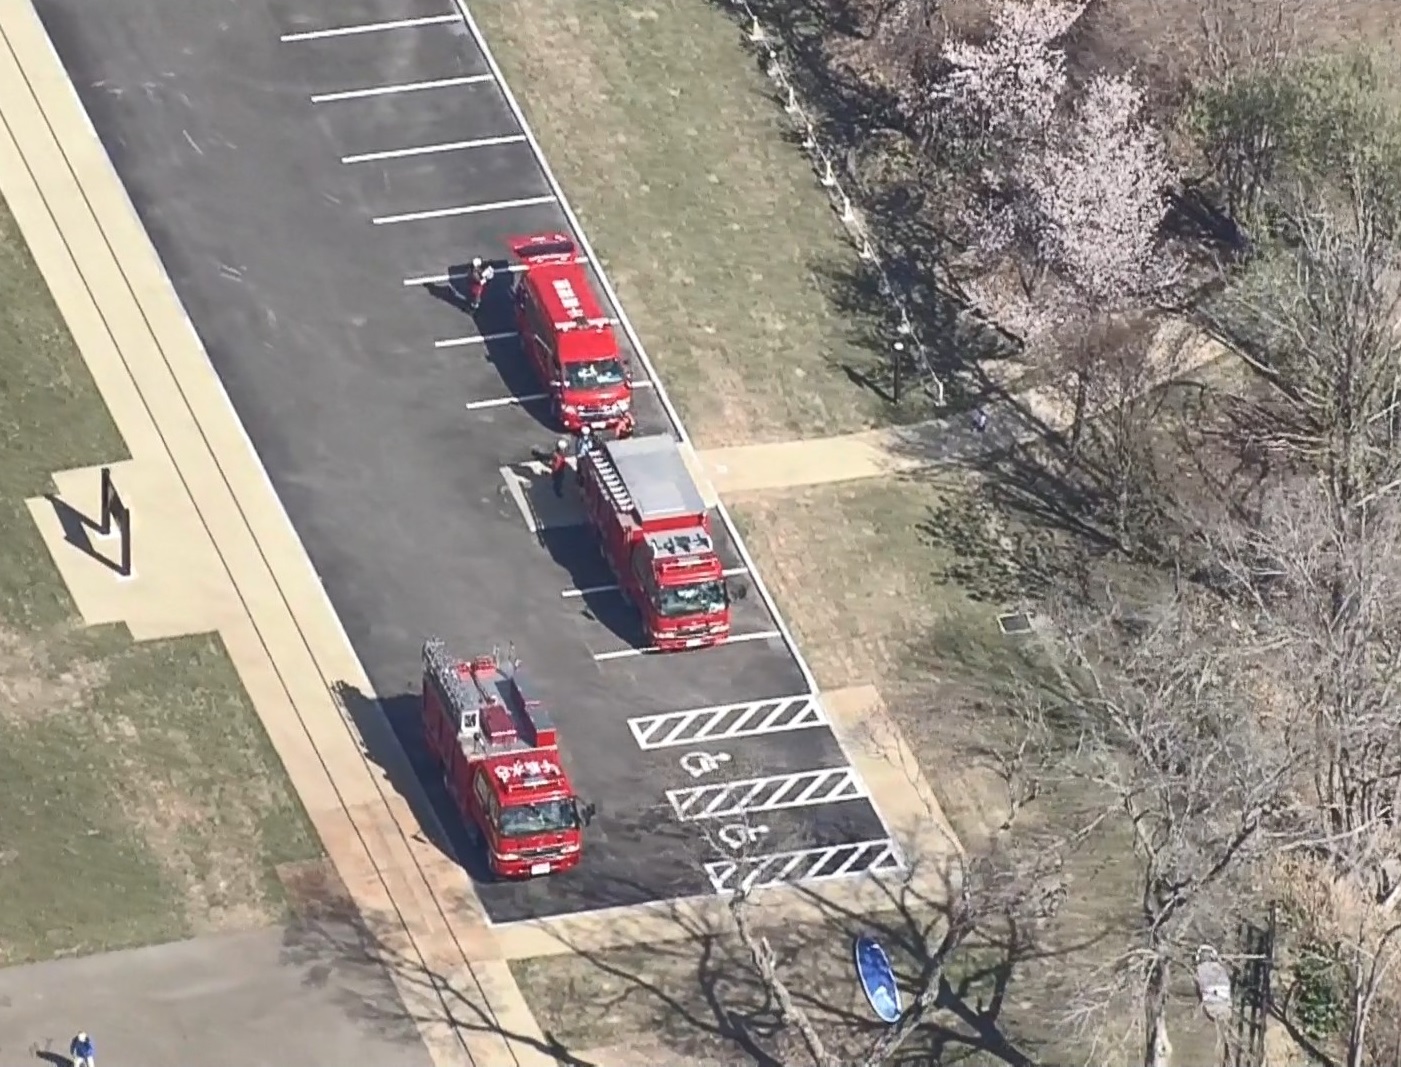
(627, 426)
(582, 444)
(559, 466)
(481, 278)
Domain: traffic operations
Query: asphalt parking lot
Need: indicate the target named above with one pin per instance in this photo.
(316, 177)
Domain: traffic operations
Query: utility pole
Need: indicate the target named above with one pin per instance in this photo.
(899, 365)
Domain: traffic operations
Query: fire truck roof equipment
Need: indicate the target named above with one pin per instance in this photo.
(486, 698)
(647, 475)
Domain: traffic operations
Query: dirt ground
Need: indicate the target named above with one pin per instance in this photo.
(142, 801)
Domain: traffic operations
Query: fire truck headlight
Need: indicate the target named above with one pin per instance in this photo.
(568, 849)
(622, 405)
(509, 856)
(569, 409)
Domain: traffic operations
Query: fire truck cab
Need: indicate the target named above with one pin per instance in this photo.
(568, 340)
(498, 752)
(654, 530)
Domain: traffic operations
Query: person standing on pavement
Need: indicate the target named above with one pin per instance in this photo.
(559, 465)
(481, 278)
(81, 1052)
(980, 420)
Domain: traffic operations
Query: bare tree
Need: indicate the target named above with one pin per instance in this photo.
(1112, 371)
(1317, 323)
(1163, 720)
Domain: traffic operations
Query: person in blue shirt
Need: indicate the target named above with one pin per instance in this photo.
(81, 1051)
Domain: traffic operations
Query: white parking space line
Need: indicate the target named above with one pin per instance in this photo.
(723, 721)
(506, 401)
(406, 87)
(805, 865)
(371, 27)
(590, 590)
(429, 150)
(468, 209)
(734, 639)
(513, 486)
(804, 789)
(474, 339)
(440, 279)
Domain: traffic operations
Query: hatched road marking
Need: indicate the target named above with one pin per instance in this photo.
(434, 149)
(805, 865)
(724, 721)
(371, 27)
(469, 209)
(733, 639)
(801, 790)
(406, 87)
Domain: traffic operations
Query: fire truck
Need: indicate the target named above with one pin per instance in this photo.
(655, 532)
(566, 336)
(499, 755)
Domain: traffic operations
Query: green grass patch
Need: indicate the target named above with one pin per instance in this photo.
(720, 241)
(141, 799)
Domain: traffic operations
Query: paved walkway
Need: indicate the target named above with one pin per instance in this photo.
(1178, 350)
(215, 550)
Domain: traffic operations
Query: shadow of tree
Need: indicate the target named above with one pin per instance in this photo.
(698, 986)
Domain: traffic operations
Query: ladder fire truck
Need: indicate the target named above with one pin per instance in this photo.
(499, 755)
(568, 340)
(655, 532)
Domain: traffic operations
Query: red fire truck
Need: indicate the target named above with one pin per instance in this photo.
(566, 336)
(499, 756)
(641, 500)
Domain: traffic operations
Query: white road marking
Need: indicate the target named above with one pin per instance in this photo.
(624, 653)
(433, 149)
(474, 339)
(723, 721)
(506, 401)
(513, 486)
(804, 789)
(805, 865)
(699, 764)
(371, 27)
(469, 209)
(737, 835)
(440, 279)
(406, 87)
(613, 587)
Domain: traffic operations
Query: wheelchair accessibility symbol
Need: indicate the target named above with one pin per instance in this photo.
(699, 764)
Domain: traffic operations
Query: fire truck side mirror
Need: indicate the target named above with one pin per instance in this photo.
(586, 812)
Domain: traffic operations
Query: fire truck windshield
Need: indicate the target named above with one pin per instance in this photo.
(701, 598)
(594, 374)
(547, 816)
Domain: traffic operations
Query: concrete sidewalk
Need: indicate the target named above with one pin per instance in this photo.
(215, 550)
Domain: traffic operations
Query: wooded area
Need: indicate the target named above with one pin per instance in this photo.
(1211, 551)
